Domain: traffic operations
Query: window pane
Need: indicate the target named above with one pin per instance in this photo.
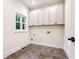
(23, 19)
(23, 26)
(18, 17)
(17, 25)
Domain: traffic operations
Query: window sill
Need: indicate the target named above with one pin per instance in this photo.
(20, 31)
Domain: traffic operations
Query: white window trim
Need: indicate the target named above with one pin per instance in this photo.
(21, 30)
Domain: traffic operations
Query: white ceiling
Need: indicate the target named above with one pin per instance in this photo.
(40, 3)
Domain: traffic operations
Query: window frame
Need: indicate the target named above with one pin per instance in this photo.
(21, 23)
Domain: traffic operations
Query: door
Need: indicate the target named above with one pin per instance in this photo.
(69, 28)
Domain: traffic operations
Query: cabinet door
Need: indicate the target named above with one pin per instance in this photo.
(53, 13)
(46, 15)
(60, 14)
(33, 17)
(40, 17)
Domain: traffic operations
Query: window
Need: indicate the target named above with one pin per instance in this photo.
(23, 23)
(20, 22)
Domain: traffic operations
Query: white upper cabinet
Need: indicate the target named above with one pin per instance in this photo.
(33, 17)
(46, 15)
(43, 16)
(53, 14)
(60, 14)
(56, 14)
(40, 17)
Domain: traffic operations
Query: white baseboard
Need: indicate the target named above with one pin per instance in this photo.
(66, 53)
(14, 50)
(45, 44)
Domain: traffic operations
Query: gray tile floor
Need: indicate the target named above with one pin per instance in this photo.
(38, 52)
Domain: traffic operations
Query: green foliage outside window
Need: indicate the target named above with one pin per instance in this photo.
(20, 22)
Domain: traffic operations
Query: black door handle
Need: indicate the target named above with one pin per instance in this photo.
(72, 39)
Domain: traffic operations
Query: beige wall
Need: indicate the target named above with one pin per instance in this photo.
(13, 41)
(54, 39)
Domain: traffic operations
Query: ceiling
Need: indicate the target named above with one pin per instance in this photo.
(40, 3)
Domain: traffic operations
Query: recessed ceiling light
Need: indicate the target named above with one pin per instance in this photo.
(33, 2)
